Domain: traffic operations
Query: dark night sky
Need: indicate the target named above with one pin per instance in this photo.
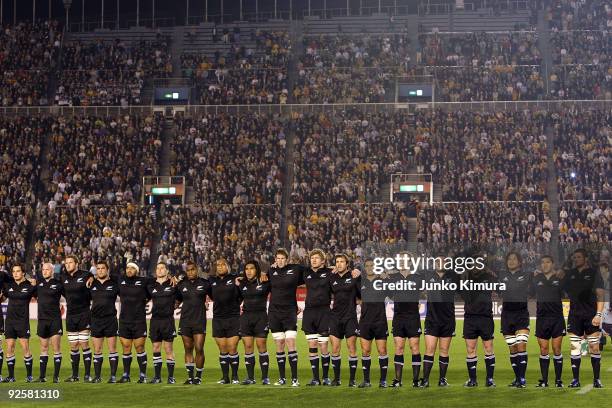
(170, 8)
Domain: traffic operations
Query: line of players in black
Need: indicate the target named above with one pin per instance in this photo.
(91, 312)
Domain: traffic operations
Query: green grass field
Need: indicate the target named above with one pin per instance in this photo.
(212, 394)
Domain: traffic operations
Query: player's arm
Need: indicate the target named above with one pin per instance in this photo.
(600, 294)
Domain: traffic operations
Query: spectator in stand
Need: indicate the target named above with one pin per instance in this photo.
(206, 233)
(345, 228)
(97, 161)
(118, 234)
(27, 53)
(100, 74)
(232, 159)
(13, 232)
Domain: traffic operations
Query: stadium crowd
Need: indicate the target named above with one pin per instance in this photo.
(345, 228)
(20, 146)
(118, 234)
(203, 234)
(101, 74)
(480, 49)
(583, 154)
(28, 51)
(348, 156)
(484, 223)
(14, 223)
(232, 159)
(346, 69)
(251, 72)
(579, 15)
(585, 222)
(95, 160)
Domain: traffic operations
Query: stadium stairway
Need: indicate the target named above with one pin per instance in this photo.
(412, 235)
(40, 189)
(296, 33)
(552, 191)
(166, 160)
(544, 46)
(176, 50)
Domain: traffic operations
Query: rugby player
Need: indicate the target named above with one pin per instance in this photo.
(373, 326)
(343, 319)
(133, 297)
(283, 310)
(191, 294)
(4, 278)
(439, 322)
(515, 315)
(585, 289)
(226, 319)
(478, 322)
(78, 315)
(406, 325)
(550, 324)
(104, 326)
(254, 321)
(49, 291)
(162, 329)
(315, 320)
(19, 292)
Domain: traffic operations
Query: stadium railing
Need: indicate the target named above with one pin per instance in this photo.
(483, 106)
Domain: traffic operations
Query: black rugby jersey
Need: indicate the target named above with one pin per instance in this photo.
(133, 297)
(580, 287)
(345, 289)
(406, 302)
(441, 303)
(226, 296)
(76, 292)
(192, 294)
(163, 298)
(104, 298)
(478, 303)
(517, 290)
(373, 309)
(549, 295)
(284, 283)
(254, 295)
(318, 290)
(19, 296)
(49, 293)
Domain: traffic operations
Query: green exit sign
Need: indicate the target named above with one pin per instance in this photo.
(163, 190)
(411, 188)
(171, 95)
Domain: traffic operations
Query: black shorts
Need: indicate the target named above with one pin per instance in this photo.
(478, 326)
(282, 319)
(440, 328)
(49, 328)
(132, 330)
(316, 320)
(104, 327)
(225, 328)
(373, 330)
(254, 324)
(78, 322)
(511, 322)
(550, 327)
(162, 330)
(16, 329)
(407, 326)
(189, 329)
(581, 325)
(607, 328)
(343, 328)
